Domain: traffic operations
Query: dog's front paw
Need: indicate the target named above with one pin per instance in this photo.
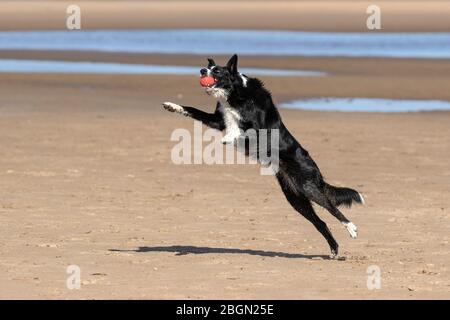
(228, 139)
(173, 107)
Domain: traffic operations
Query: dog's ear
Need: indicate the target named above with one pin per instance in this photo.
(211, 63)
(232, 64)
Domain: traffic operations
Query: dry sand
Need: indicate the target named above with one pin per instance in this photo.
(86, 178)
(289, 15)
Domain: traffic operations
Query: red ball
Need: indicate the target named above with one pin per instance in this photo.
(207, 81)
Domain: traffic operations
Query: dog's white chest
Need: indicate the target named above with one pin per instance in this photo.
(231, 118)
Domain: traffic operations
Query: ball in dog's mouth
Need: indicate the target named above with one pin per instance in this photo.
(207, 81)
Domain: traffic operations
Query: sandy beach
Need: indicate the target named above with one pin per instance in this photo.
(398, 15)
(86, 176)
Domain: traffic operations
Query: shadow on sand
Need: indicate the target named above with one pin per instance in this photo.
(183, 250)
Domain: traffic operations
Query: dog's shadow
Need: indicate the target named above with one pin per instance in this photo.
(183, 250)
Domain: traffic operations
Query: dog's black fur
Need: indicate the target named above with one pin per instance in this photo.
(298, 175)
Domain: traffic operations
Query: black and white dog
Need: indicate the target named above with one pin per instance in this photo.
(243, 103)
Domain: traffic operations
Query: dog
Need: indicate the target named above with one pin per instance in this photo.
(244, 103)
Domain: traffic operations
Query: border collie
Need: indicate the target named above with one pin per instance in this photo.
(243, 103)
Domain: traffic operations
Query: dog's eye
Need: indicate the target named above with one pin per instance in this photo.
(215, 71)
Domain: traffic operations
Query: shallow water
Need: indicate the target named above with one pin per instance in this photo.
(47, 66)
(244, 42)
(367, 105)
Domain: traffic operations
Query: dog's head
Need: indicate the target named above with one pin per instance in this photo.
(226, 78)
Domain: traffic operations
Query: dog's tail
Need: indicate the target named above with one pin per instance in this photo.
(342, 196)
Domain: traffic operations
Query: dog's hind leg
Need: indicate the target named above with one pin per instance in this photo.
(301, 204)
(314, 194)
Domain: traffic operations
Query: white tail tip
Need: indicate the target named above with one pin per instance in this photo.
(362, 198)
